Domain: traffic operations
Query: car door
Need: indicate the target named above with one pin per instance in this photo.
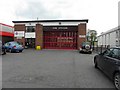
(102, 58)
(111, 60)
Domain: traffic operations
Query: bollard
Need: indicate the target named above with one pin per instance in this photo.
(38, 47)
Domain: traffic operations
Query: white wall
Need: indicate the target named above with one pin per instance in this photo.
(52, 23)
(30, 35)
(103, 40)
(113, 39)
(6, 28)
(107, 39)
(100, 40)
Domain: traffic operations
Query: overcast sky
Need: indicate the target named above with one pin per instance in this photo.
(102, 14)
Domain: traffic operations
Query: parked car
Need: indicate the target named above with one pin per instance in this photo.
(2, 48)
(85, 47)
(109, 63)
(13, 46)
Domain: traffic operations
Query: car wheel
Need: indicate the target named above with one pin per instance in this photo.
(7, 50)
(3, 53)
(95, 63)
(117, 80)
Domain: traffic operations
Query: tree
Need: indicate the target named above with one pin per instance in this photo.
(92, 37)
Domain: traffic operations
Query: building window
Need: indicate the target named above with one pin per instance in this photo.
(30, 29)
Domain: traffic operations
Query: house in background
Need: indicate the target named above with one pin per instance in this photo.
(6, 33)
(111, 37)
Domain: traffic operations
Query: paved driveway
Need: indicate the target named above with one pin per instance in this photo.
(52, 69)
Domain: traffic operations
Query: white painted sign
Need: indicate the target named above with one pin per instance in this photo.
(82, 36)
(19, 37)
(19, 33)
(30, 35)
(60, 27)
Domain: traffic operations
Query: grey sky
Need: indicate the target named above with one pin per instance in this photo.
(102, 14)
(36, 10)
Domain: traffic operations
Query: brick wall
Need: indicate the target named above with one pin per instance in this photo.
(81, 31)
(20, 27)
(39, 35)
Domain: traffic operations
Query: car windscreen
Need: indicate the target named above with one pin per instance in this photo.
(15, 43)
(85, 43)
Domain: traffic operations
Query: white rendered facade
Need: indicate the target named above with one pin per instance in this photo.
(111, 37)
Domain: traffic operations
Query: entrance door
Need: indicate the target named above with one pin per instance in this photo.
(60, 39)
(30, 42)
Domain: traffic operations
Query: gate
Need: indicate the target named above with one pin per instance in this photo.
(60, 39)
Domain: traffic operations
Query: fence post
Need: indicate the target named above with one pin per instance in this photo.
(101, 48)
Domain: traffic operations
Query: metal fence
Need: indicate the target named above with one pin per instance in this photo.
(100, 48)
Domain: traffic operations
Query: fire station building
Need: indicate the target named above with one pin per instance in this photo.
(51, 34)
